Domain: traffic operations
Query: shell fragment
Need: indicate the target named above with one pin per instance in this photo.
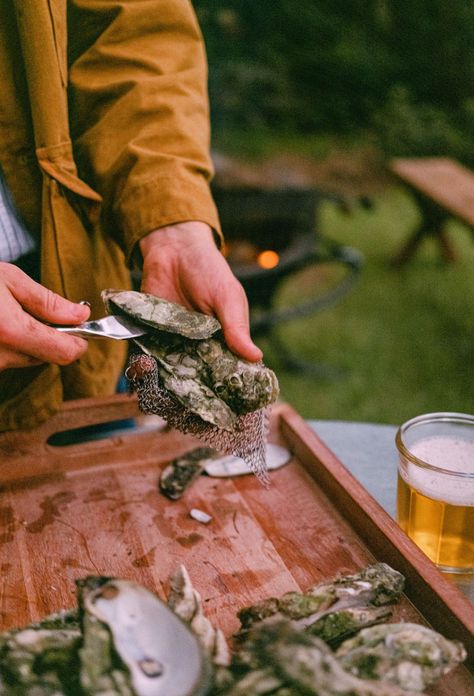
(200, 516)
(230, 465)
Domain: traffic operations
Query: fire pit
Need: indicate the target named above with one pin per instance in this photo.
(270, 235)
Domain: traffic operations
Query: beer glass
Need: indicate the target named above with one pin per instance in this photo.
(435, 497)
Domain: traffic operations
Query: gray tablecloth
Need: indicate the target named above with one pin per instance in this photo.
(368, 450)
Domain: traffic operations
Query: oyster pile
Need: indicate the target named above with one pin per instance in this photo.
(285, 646)
(187, 375)
(123, 641)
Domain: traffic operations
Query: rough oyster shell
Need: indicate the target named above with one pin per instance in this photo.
(333, 608)
(406, 654)
(203, 374)
(182, 471)
(187, 375)
(279, 659)
(38, 660)
(160, 314)
(186, 602)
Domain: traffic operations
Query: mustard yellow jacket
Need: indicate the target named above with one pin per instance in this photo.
(104, 136)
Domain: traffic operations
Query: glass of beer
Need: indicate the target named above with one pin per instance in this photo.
(435, 499)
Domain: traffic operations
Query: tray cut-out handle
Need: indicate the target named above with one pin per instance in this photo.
(27, 453)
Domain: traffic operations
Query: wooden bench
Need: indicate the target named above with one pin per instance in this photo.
(443, 188)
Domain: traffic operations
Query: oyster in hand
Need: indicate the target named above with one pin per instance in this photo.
(193, 364)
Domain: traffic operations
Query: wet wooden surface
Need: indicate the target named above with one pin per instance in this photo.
(95, 509)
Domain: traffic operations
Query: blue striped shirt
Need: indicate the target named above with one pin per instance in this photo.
(15, 240)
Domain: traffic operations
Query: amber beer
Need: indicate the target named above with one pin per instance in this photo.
(436, 493)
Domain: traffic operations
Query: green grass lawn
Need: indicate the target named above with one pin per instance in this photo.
(401, 343)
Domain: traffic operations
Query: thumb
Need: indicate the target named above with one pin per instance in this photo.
(239, 341)
(233, 314)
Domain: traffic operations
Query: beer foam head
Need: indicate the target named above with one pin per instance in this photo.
(448, 453)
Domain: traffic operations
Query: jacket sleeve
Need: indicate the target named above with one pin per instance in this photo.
(139, 113)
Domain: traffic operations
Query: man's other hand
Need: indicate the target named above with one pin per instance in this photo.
(25, 339)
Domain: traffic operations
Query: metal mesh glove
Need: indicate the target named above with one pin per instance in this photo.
(246, 440)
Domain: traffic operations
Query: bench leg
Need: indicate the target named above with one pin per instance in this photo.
(432, 225)
(447, 249)
(410, 246)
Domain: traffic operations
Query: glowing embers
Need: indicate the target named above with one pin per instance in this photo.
(242, 252)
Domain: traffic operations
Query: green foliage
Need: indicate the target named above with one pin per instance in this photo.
(409, 129)
(328, 66)
(400, 343)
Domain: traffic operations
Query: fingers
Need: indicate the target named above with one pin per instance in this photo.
(26, 336)
(241, 344)
(23, 339)
(39, 301)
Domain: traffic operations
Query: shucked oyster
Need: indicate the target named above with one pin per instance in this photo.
(125, 624)
(334, 610)
(193, 362)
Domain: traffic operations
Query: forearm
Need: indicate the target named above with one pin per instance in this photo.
(139, 112)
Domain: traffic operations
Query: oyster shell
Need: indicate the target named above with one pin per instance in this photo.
(193, 363)
(162, 657)
(182, 471)
(160, 314)
(335, 609)
(279, 659)
(230, 465)
(38, 660)
(186, 602)
(338, 624)
(406, 654)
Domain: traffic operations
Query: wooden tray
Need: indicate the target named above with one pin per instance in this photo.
(94, 508)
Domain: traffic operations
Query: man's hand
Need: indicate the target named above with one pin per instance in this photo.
(182, 263)
(24, 339)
